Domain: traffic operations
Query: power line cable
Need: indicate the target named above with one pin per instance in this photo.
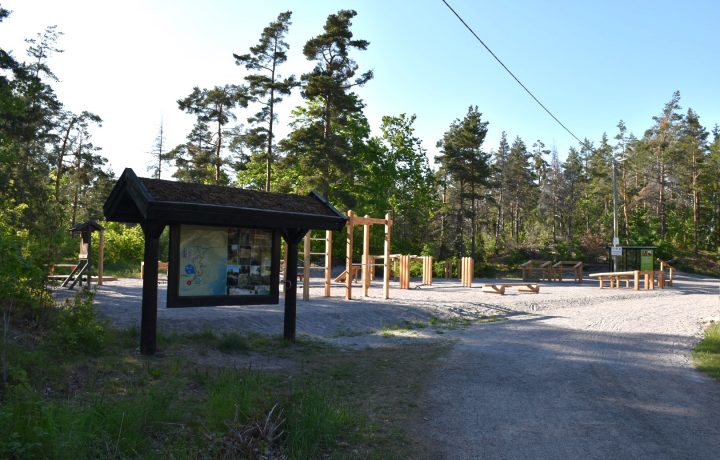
(508, 71)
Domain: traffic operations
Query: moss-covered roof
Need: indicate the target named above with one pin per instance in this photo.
(183, 192)
(154, 201)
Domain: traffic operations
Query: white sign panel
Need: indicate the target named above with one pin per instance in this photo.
(616, 251)
(616, 241)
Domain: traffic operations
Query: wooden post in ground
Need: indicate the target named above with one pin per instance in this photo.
(427, 270)
(285, 275)
(348, 257)
(404, 272)
(307, 245)
(636, 279)
(366, 258)
(467, 272)
(386, 255)
(328, 262)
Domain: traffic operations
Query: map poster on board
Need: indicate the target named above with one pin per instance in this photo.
(646, 260)
(203, 261)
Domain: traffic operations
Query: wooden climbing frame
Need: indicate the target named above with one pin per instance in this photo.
(366, 222)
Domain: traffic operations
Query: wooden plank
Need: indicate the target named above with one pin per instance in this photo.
(348, 257)
(386, 257)
(366, 259)
(306, 266)
(328, 261)
(357, 220)
(493, 289)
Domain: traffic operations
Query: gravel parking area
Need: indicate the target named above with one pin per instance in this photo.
(575, 371)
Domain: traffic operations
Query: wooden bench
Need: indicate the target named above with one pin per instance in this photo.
(574, 267)
(499, 288)
(543, 269)
(614, 278)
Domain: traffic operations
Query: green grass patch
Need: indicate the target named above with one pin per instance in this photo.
(706, 354)
(113, 402)
(439, 324)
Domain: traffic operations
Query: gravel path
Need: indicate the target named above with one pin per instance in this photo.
(598, 377)
(575, 372)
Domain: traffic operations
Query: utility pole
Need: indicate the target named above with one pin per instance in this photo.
(615, 222)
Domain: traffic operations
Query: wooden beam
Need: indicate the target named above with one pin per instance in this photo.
(328, 262)
(292, 237)
(348, 257)
(386, 257)
(306, 265)
(366, 259)
(148, 318)
(357, 220)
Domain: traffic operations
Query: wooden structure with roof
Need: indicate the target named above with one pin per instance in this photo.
(195, 208)
(84, 266)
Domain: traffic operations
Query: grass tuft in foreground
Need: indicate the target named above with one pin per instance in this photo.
(80, 390)
(706, 354)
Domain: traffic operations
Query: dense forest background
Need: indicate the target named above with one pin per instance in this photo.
(507, 202)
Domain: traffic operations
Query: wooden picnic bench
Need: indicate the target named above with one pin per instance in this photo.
(499, 288)
(542, 269)
(572, 266)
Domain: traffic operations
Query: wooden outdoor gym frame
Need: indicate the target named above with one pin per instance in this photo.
(368, 261)
(366, 222)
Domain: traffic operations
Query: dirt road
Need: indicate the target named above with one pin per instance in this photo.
(608, 379)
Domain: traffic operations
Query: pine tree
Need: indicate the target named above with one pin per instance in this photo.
(267, 87)
(573, 183)
(160, 157)
(691, 166)
(469, 166)
(317, 145)
(520, 186)
(214, 110)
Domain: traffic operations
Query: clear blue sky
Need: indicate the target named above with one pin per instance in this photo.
(591, 63)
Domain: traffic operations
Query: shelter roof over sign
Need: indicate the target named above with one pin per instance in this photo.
(141, 200)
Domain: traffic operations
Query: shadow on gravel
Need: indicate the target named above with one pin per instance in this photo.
(526, 389)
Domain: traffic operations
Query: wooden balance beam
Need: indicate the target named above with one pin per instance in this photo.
(499, 288)
(614, 278)
(650, 278)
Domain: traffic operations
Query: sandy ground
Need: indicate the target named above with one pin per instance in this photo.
(575, 372)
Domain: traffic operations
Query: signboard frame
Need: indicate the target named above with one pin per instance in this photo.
(182, 269)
